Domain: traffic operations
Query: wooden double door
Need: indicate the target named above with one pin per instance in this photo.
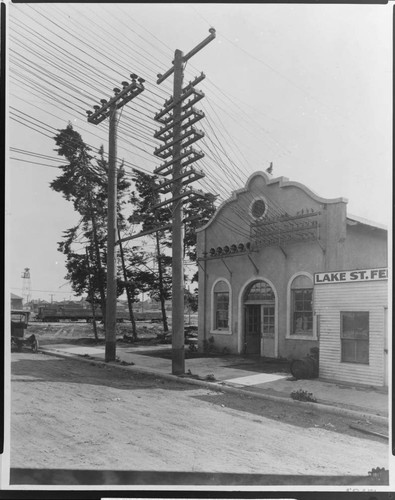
(259, 325)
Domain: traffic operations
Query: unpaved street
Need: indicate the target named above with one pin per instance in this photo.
(70, 413)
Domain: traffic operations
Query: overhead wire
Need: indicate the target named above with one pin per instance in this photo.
(87, 44)
(236, 230)
(216, 147)
(142, 124)
(149, 58)
(84, 65)
(41, 125)
(149, 155)
(272, 69)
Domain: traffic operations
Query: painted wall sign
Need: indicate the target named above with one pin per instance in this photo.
(351, 276)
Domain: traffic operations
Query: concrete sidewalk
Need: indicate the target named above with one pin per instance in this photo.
(241, 373)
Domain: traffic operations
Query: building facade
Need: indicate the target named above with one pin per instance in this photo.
(282, 270)
(16, 302)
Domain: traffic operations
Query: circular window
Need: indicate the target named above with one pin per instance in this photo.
(258, 209)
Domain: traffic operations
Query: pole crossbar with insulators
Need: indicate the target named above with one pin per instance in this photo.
(109, 109)
(177, 117)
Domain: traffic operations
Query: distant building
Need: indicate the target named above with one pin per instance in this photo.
(283, 270)
(33, 305)
(16, 302)
(151, 305)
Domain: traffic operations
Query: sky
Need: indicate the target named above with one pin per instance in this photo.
(307, 87)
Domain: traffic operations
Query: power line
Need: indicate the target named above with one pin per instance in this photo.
(220, 153)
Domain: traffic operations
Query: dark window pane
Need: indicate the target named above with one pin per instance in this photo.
(362, 325)
(355, 325)
(221, 309)
(355, 336)
(302, 323)
(363, 351)
(258, 208)
(348, 350)
(221, 286)
(355, 351)
(260, 291)
(348, 324)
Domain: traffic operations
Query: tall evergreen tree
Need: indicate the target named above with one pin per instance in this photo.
(144, 199)
(197, 212)
(136, 279)
(84, 182)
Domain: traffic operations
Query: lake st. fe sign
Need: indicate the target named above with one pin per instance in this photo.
(351, 276)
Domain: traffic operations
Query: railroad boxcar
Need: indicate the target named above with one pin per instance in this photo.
(59, 312)
(153, 316)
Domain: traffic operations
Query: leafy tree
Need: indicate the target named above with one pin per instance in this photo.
(196, 213)
(136, 279)
(191, 299)
(144, 199)
(84, 181)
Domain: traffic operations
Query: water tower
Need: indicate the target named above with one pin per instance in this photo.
(26, 285)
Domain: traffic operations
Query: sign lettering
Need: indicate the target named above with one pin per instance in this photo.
(379, 274)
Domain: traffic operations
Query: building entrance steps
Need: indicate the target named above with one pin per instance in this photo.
(256, 376)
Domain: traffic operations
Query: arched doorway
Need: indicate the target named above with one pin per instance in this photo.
(259, 314)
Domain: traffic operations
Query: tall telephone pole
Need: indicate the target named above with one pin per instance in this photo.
(177, 133)
(110, 109)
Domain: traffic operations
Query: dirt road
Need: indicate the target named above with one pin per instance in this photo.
(73, 414)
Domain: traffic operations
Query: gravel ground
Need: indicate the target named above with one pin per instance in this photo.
(75, 414)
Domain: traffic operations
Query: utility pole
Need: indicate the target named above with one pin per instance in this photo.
(111, 304)
(178, 338)
(177, 133)
(110, 109)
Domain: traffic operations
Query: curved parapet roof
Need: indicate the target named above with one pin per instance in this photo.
(283, 182)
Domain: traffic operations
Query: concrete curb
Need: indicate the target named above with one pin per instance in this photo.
(222, 387)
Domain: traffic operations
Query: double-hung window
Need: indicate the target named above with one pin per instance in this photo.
(354, 335)
(221, 306)
(302, 306)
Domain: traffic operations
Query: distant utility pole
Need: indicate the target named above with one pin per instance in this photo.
(110, 109)
(177, 133)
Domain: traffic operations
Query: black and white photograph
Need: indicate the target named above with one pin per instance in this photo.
(198, 247)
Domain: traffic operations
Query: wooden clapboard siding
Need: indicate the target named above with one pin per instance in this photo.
(330, 300)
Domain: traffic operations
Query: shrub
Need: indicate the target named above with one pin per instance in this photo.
(301, 395)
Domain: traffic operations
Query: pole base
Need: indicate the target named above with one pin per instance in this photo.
(178, 361)
(110, 351)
